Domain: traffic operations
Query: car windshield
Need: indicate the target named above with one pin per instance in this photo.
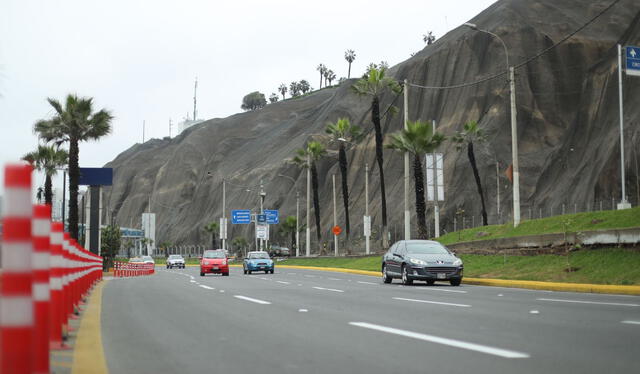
(147, 258)
(175, 257)
(214, 254)
(259, 255)
(426, 249)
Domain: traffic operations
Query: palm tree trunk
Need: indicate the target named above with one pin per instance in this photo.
(476, 175)
(48, 193)
(342, 159)
(421, 206)
(349, 73)
(316, 201)
(375, 117)
(74, 179)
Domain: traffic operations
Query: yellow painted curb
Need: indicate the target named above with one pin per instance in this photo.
(88, 354)
(534, 285)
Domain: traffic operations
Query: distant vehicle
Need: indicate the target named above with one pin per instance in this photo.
(424, 260)
(147, 260)
(135, 260)
(214, 261)
(276, 250)
(175, 261)
(258, 261)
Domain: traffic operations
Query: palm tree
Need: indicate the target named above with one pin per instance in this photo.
(304, 86)
(343, 131)
(212, 228)
(417, 139)
(350, 56)
(273, 98)
(374, 84)
(47, 159)
(429, 38)
(465, 138)
(288, 227)
(283, 90)
(331, 76)
(75, 123)
(322, 69)
(314, 151)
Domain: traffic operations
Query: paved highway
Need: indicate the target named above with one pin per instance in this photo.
(304, 321)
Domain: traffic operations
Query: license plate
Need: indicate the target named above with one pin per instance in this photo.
(215, 268)
(442, 276)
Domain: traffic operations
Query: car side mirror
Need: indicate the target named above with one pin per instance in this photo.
(399, 255)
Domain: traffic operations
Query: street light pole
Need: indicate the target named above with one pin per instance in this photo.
(514, 126)
(335, 218)
(624, 204)
(366, 206)
(407, 214)
(224, 217)
(308, 236)
(262, 196)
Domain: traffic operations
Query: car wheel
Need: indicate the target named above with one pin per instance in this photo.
(244, 271)
(266, 271)
(405, 276)
(430, 282)
(272, 270)
(225, 274)
(201, 274)
(249, 271)
(455, 282)
(385, 277)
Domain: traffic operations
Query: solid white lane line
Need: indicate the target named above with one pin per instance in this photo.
(335, 279)
(632, 322)
(361, 282)
(192, 281)
(439, 289)
(303, 310)
(587, 302)
(444, 341)
(283, 282)
(309, 276)
(207, 287)
(328, 289)
(432, 302)
(251, 299)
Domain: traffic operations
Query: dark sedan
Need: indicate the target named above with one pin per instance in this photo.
(424, 260)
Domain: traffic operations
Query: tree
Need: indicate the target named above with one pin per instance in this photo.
(417, 139)
(322, 69)
(294, 89)
(373, 85)
(470, 133)
(429, 38)
(314, 151)
(109, 244)
(383, 65)
(273, 98)
(343, 131)
(75, 123)
(304, 86)
(331, 76)
(47, 159)
(350, 56)
(239, 242)
(288, 227)
(283, 90)
(254, 100)
(212, 228)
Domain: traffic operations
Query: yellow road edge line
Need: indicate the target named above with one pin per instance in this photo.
(88, 355)
(534, 285)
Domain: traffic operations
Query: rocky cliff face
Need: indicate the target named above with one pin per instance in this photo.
(567, 111)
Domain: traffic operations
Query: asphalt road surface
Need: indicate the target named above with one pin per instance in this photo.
(304, 321)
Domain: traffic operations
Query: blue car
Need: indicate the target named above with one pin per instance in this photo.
(258, 261)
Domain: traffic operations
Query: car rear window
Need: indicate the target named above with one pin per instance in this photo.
(259, 255)
(214, 254)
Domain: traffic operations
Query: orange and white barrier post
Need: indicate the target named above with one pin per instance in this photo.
(16, 308)
(55, 282)
(41, 231)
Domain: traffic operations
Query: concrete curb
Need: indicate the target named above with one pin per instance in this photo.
(88, 354)
(533, 285)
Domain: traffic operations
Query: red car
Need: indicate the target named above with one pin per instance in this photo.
(214, 262)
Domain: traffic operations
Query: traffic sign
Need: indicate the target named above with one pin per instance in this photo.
(241, 216)
(272, 216)
(336, 230)
(262, 232)
(261, 218)
(633, 60)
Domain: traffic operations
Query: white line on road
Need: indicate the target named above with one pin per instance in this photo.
(361, 282)
(251, 299)
(587, 302)
(283, 282)
(432, 302)
(439, 289)
(303, 310)
(309, 276)
(335, 279)
(632, 322)
(192, 281)
(207, 287)
(328, 289)
(444, 341)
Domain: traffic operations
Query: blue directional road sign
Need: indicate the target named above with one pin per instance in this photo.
(262, 218)
(633, 60)
(272, 216)
(241, 216)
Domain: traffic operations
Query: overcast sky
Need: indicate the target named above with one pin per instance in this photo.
(139, 59)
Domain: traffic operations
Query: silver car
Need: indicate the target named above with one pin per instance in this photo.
(424, 260)
(175, 261)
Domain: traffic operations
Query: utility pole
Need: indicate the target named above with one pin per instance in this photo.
(407, 213)
(224, 217)
(308, 243)
(143, 128)
(498, 189)
(64, 197)
(335, 218)
(195, 91)
(366, 207)
(436, 209)
(262, 195)
(624, 204)
(514, 149)
(169, 128)
(297, 223)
